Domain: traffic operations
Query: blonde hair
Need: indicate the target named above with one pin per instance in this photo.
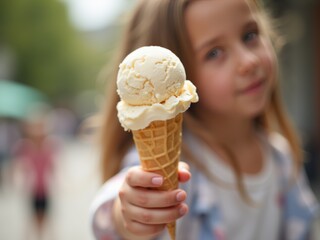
(161, 22)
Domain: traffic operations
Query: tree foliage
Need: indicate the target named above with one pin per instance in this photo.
(50, 54)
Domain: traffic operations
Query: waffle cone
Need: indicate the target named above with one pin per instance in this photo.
(159, 147)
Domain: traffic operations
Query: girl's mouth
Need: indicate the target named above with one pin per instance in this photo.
(253, 88)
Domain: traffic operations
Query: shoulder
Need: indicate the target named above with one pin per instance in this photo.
(280, 151)
(279, 143)
(301, 205)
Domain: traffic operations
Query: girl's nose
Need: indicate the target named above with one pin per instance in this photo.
(248, 61)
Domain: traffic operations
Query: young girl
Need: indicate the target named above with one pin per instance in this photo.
(246, 163)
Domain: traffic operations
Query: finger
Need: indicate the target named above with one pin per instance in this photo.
(155, 198)
(157, 216)
(140, 229)
(137, 177)
(184, 174)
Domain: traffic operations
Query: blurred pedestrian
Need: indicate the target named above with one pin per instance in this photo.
(244, 155)
(34, 155)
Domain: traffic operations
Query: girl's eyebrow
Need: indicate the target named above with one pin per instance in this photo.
(252, 23)
(208, 43)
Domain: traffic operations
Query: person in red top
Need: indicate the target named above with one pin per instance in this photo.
(35, 154)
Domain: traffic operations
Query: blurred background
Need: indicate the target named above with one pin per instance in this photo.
(53, 60)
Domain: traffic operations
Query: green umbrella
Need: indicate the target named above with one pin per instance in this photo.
(17, 99)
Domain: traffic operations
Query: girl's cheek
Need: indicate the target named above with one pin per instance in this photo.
(271, 60)
(214, 93)
(270, 57)
(272, 69)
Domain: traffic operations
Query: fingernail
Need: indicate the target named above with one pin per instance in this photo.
(182, 210)
(157, 181)
(180, 196)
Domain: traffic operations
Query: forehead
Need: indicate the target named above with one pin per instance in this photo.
(205, 18)
(219, 5)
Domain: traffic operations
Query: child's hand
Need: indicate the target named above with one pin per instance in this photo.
(144, 212)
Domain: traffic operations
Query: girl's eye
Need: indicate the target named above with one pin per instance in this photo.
(250, 36)
(214, 53)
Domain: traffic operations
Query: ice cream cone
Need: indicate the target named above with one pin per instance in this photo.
(154, 92)
(159, 147)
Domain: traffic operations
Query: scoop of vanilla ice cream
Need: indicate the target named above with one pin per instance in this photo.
(150, 75)
(152, 86)
(138, 117)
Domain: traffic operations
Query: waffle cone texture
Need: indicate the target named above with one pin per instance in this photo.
(159, 147)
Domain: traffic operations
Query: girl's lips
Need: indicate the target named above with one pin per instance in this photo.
(252, 88)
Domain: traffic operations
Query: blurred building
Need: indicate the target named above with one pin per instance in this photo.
(299, 62)
(300, 66)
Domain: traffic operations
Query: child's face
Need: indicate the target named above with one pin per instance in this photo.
(234, 62)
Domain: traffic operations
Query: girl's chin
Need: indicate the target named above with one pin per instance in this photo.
(255, 112)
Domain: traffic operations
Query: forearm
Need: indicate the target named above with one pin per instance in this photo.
(102, 207)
